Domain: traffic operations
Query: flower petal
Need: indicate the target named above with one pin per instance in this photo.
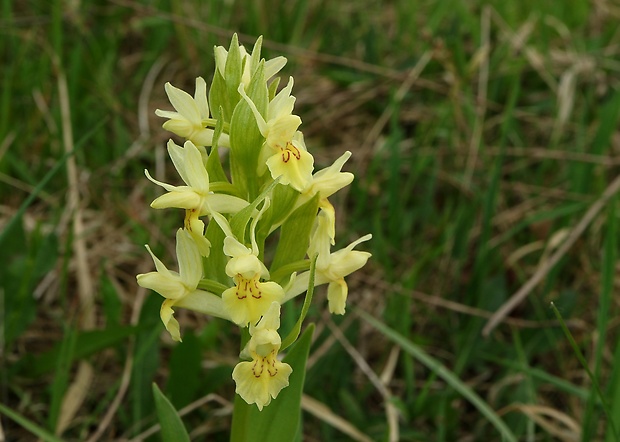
(234, 248)
(168, 187)
(168, 287)
(221, 55)
(328, 181)
(235, 308)
(167, 317)
(245, 308)
(190, 261)
(280, 380)
(183, 103)
(281, 130)
(273, 66)
(337, 296)
(270, 321)
(161, 268)
(295, 172)
(200, 97)
(251, 389)
(197, 175)
(320, 242)
(283, 103)
(222, 203)
(300, 284)
(196, 229)
(179, 126)
(181, 198)
(177, 155)
(168, 114)
(247, 265)
(204, 302)
(203, 137)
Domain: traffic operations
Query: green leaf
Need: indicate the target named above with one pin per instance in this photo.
(614, 390)
(146, 362)
(284, 199)
(246, 140)
(586, 366)
(172, 428)
(185, 370)
(61, 376)
(219, 126)
(295, 234)
(112, 304)
(255, 58)
(233, 72)
(48, 176)
(27, 261)
(218, 99)
(440, 370)
(215, 264)
(87, 343)
(214, 164)
(29, 425)
(280, 420)
(591, 417)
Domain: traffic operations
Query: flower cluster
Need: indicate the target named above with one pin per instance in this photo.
(269, 185)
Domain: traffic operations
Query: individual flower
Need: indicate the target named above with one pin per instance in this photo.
(249, 298)
(330, 180)
(195, 197)
(286, 154)
(249, 62)
(262, 378)
(331, 268)
(180, 289)
(325, 183)
(189, 120)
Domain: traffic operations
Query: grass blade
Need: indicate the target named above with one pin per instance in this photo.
(28, 425)
(48, 176)
(172, 428)
(442, 371)
(584, 364)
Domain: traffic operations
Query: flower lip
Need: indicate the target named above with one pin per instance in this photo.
(261, 379)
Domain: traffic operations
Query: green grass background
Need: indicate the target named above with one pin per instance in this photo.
(481, 133)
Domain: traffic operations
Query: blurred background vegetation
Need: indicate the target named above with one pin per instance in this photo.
(485, 146)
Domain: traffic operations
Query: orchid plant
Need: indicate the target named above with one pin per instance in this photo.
(268, 186)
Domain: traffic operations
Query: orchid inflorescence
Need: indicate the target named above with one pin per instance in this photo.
(270, 188)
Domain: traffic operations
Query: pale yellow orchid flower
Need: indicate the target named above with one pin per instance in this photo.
(249, 298)
(180, 288)
(325, 183)
(192, 114)
(261, 379)
(195, 197)
(286, 155)
(331, 268)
